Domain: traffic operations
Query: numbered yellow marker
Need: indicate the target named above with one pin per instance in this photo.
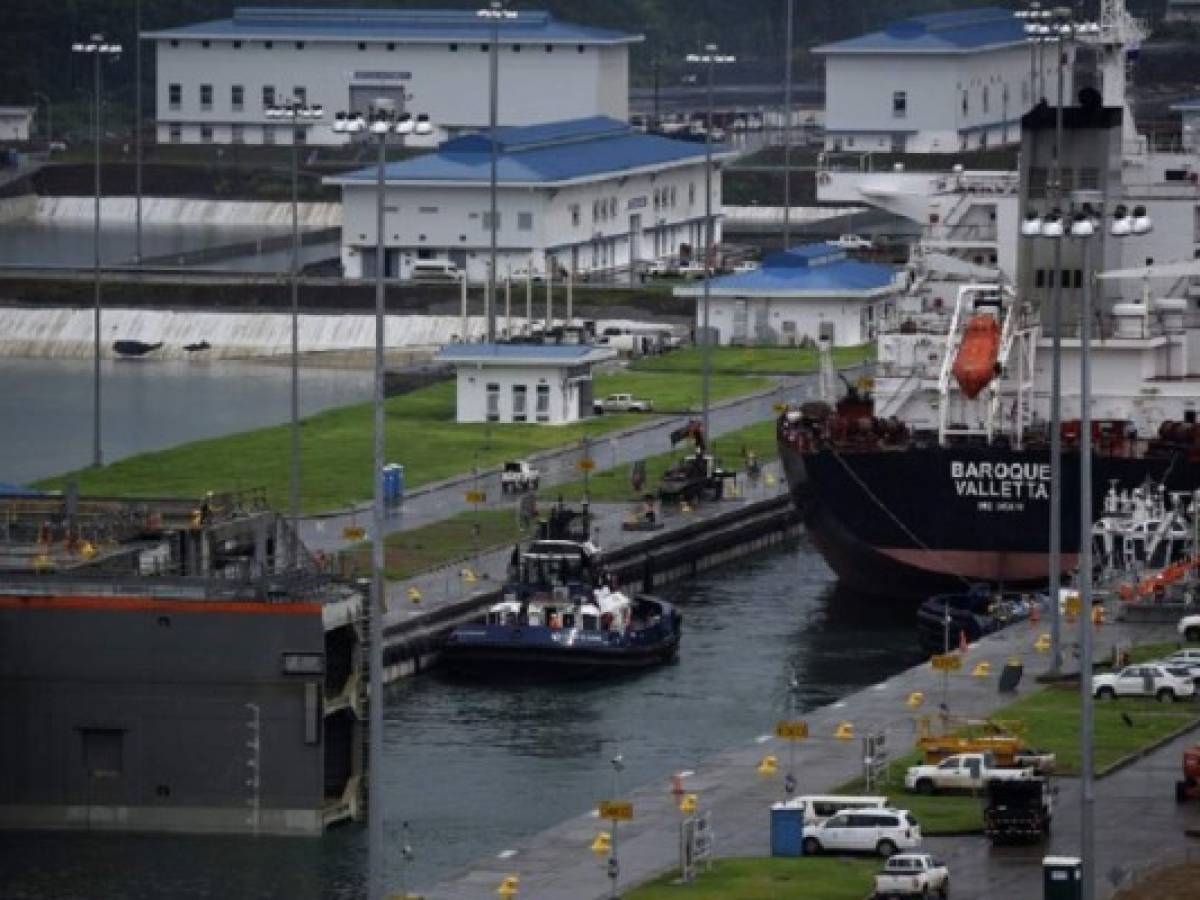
(688, 803)
(915, 699)
(587, 464)
(844, 731)
(414, 594)
(982, 670)
(602, 843)
(354, 532)
(468, 576)
(509, 886)
(768, 765)
(1042, 644)
(617, 810)
(476, 497)
(946, 662)
(796, 730)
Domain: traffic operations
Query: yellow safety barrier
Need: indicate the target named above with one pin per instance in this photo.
(414, 594)
(844, 731)
(602, 843)
(509, 886)
(768, 765)
(468, 576)
(915, 699)
(1042, 644)
(982, 669)
(688, 803)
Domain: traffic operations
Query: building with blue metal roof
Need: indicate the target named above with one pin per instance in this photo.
(585, 196)
(547, 384)
(1189, 111)
(942, 82)
(214, 79)
(797, 296)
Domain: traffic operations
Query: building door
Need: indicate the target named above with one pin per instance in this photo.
(899, 143)
(584, 386)
(363, 96)
(635, 240)
(740, 317)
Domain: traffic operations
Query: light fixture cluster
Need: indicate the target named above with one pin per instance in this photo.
(382, 122)
(710, 55)
(1084, 223)
(496, 10)
(295, 112)
(1053, 25)
(97, 44)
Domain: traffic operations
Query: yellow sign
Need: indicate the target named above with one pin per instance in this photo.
(354, 532)
(476, 497)
(791, 731)
(946, 662)
(1074, 605)
(617, 810)
(587, 464)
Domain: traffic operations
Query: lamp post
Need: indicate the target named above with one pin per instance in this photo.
(710, 58)
(384, 120)
(494, 13)
(50, 118)
(301, 116)
(137, 128)
(97, 47)
(787, 127)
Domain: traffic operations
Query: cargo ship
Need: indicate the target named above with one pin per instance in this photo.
(937, 473)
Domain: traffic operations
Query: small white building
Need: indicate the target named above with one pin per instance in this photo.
(801, 295)
(943, 82)
(586, 195)
(16, 122)
(544, 383)
(1189, 111)
(214, 79)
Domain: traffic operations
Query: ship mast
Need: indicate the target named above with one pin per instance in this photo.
(1119, 32)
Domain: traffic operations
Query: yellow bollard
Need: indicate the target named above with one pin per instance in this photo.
(982, 669)
(684, 507)
(468, 576)
(768, 765)
(1042, 644)
(414, 594)
(844, 731)
(769, 480)
(602, 843)
(688, 803)
(915, 699)
(509, 886)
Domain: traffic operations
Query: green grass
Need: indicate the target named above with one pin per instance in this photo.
(937, 813)
(336, 446)
(408, 553)
(1145, 652)
(753, 360)
(612, 485)
(769, 878)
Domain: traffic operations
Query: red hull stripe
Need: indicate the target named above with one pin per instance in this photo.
(150, 604)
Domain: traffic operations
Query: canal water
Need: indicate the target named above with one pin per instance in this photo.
(476, 767)
(46, 406)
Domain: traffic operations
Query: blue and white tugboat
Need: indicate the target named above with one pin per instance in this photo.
(561, 612)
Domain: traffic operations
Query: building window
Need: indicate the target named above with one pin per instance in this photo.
(454, 48)
(206, 134)
(174, 43)
(899, 104)
(493, 403)
(986, 104)
(672, 196)
(1024, 91)
(175, 133)
(692, 194)
(205, 44)
(487, 221)
(516, 48)
(206, 96)
(549, 48)
(391, 48)
(268, 134)
(966, 104)
(268, 45)
(519, 393)
(268, 95)
(525, 221)
(237, 133)
(1039, 278)
(237, 97)
(362, 46)
(174, 95)
(103, 755)
(299, 135)
(299, 45)
(579, 47)
(543, 403)
(237, 45)
(300, 94)
(483, 48)
(612, 207)
(575, 215)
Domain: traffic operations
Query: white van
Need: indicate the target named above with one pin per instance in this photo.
(435, 270)
(819, 808)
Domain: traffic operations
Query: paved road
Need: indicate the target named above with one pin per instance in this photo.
(1136, 813)
(441, 500)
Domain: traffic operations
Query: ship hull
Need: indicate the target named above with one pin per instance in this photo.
(916, 521)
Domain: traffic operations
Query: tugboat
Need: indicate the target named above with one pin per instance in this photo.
(561, 611)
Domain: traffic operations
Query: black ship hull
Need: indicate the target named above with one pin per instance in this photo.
(915, 521)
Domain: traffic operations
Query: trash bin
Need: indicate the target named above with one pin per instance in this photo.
(787, 828)
(1062, 878)
(393, 484)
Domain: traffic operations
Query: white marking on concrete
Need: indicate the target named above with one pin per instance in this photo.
(506, 854)
(763, 738)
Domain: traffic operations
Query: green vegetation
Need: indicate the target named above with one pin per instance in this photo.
(937, 813)
(806, 878)
(753, 360)
(408, 553)
(336, 446)
(612, 485)
(1146, 652)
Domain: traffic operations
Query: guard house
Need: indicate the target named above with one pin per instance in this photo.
(1189, 111)
(544, 383)
(16, 122)
(214, 79)
(937, 83)
(582, 195)
(798, 296)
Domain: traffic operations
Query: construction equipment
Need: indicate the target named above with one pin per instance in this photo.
(1189, 787)
(1000, 738)
(698, 476)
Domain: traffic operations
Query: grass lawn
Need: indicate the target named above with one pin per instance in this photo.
(753, 360)
(336, 446)
(937, 813)
(1145, 652)
(613, 485)
(768, 878)
(408, 553)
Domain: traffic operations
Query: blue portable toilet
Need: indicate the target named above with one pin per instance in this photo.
(393, 484)
(787, 828)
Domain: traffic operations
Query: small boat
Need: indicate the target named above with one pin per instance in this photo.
(944, 621)
(200, 345)
(975, 364)
(134, 348)
(561, 612)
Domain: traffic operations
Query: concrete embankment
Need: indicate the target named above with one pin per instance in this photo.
(180, 210)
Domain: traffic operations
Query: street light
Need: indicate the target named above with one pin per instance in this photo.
(711, 59)
(301, 116)
(787, 126)
(98, 47)
(50, 118)
(382, 122)
(494, 13)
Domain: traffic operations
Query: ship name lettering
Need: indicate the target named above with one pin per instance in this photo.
(1012, 481)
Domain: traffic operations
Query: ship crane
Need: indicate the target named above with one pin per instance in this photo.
(1116, 34)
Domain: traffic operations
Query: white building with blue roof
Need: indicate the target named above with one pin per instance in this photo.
(1189, 111)
(549, 384)
(582, 196)
(799, 296)
(214, 79)
(943, 82)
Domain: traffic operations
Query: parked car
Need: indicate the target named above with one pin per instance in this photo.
(960, 772)
(621, 403)
(853, 242)
(1189, 628)
(746, 265)
(1144, 680)
(818, 808)
(912, 875)
(437, 270)
(882, 831)
(519, 475)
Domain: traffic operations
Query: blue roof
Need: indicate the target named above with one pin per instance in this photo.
(947, 32)
(416, 25)
(16, 490)
(1191, 103)
(552, 353)
(541, 154)
(809, 269)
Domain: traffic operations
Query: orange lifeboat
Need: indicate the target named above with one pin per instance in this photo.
(975, 364)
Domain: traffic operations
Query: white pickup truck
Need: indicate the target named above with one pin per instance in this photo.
(621, 403)
(961, 772)
(519, 475)
(912, 875)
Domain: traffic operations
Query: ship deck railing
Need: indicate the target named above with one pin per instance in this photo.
(287, 587)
